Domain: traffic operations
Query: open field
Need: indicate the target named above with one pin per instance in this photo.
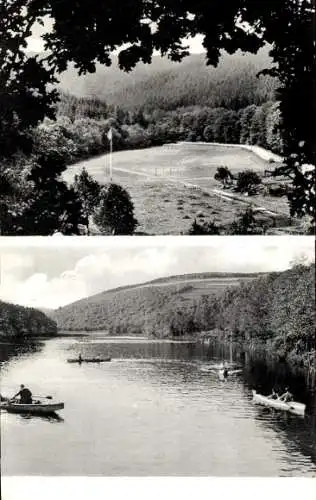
(194, 289)
(173, 184)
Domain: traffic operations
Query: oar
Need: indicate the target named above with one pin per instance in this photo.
(44, 397)
(34, 396)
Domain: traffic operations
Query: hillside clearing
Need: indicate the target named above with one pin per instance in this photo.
(174, 184)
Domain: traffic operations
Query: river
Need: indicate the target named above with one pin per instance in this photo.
(153, 411)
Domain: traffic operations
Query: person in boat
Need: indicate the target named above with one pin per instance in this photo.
(25, 395)
(287, 396)
(274, 395)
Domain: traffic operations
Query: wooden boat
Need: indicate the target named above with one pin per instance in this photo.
(34, 408)
(89, 360)
(292, 407)
(217, 368)
(229, 373)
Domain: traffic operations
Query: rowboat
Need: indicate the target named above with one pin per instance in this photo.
(89, 360)
(216, 368)
(292, 407)
(34, 408)
(229, 373)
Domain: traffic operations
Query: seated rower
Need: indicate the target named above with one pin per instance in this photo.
(25, 395)
(274, 395)
(287, 396)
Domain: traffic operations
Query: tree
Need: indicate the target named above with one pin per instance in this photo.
(208, 133)
(246, 116)
(258, 127)
(88, 191)
(246, 224)
(50, 204)
(223, 175)
(24, 96)
(294, 52)
(227, 128)
(247, 182)
(273, 122)
(115, 213)
(86, 34)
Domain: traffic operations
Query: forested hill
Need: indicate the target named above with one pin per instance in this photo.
(273, 309)
(167, 85)
(17, 322)
(144, 308)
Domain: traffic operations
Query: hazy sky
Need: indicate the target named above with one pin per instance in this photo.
(35, 43)
(57, 271)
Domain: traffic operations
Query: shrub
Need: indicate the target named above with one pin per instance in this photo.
(248, 181)
(223, 175)
(203, 229)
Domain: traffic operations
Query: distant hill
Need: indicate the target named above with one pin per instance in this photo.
(168, 85)
(145, 308)
(276, 310)
(18, 322)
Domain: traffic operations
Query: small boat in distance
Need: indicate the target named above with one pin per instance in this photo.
(88, 360)
(36, 408)
(222, 376)
(292, 406)
(215, 368)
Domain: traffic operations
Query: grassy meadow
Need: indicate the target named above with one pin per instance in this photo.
(174, 184)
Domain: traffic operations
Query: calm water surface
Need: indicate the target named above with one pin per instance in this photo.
(153, 411)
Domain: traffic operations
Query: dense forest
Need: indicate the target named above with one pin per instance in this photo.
(80, 130)
(189, 101)
(275, 310)
(143, 308)
(19, 323)
(166, 85)
(186, 102)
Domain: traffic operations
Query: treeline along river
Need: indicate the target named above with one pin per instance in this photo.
(153, 411)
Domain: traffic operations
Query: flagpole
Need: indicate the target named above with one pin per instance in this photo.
(106, 166)
(110, 138)
(111, 150)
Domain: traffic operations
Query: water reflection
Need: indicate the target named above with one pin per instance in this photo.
(152, 411)
(9, 350)
(52, 417)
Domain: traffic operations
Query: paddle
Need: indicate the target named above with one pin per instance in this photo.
(37, 397)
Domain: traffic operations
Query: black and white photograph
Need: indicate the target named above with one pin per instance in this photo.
(157, 249)
(143, 359)
(157, 117)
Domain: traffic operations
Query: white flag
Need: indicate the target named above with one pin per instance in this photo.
(110, 135)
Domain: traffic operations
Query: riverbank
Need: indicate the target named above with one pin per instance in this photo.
(304, 362)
